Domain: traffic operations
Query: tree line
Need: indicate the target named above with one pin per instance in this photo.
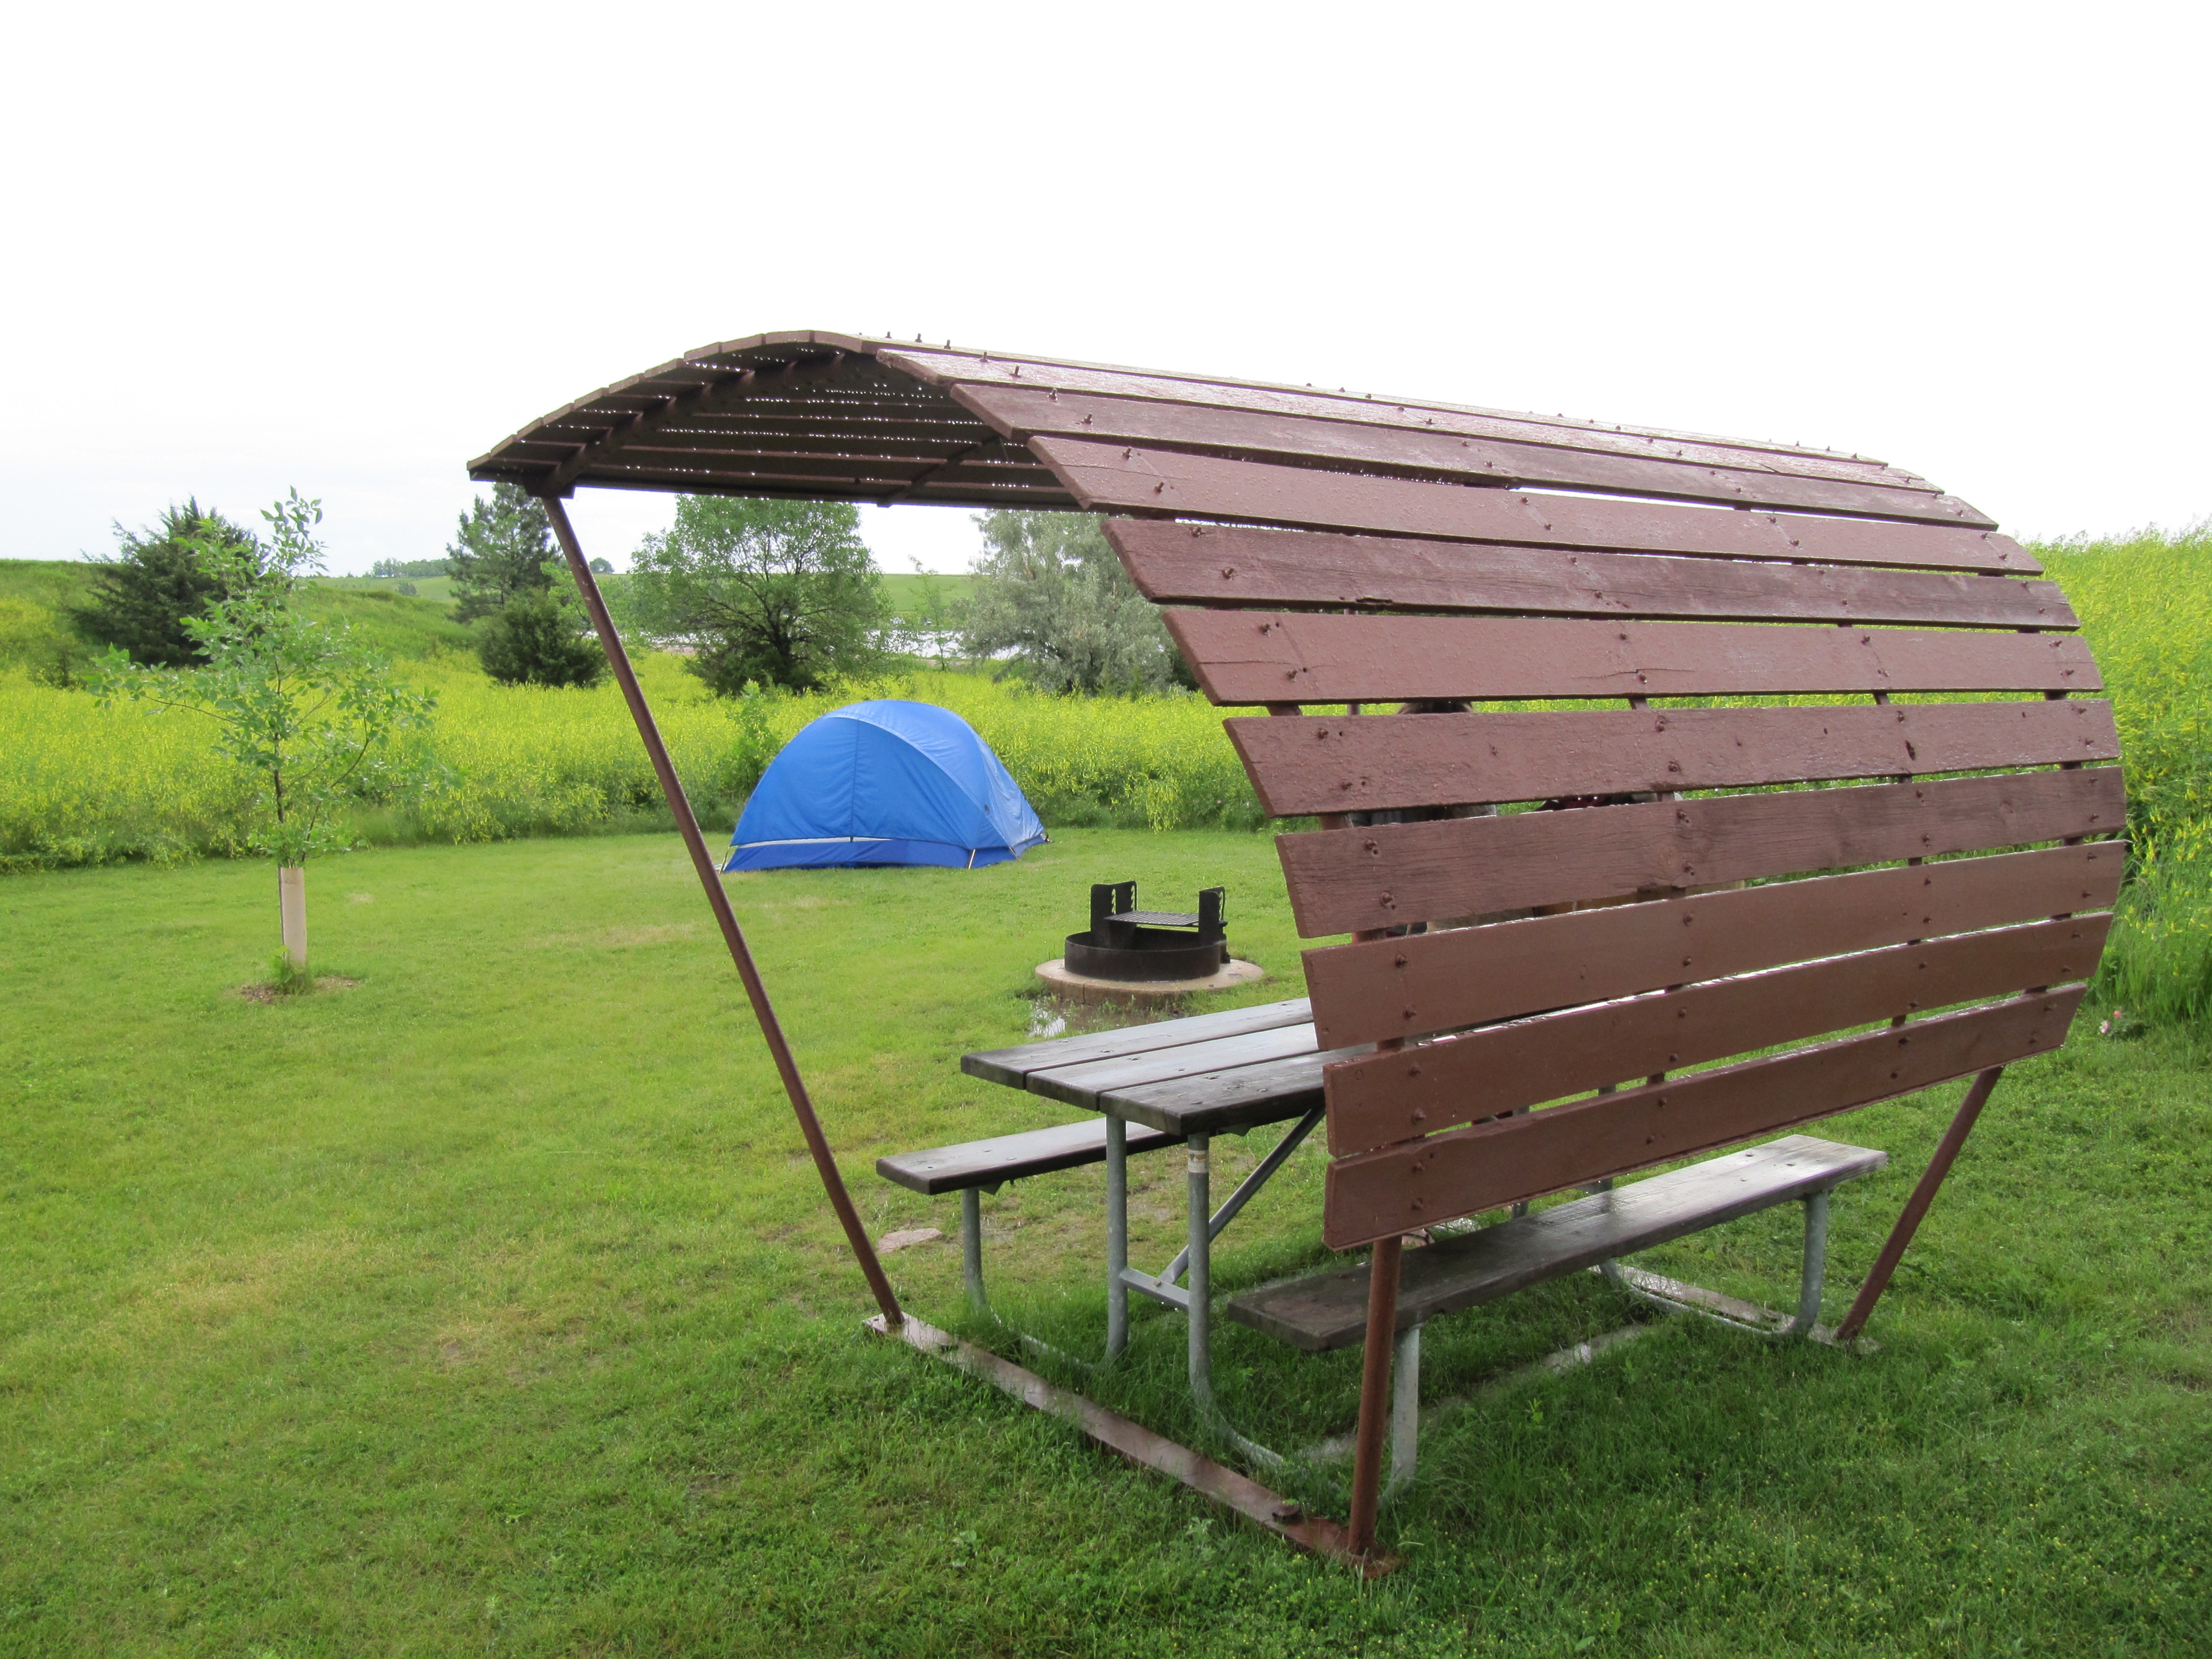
(752, 592)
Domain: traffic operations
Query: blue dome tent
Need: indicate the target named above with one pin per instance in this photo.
(884, 783)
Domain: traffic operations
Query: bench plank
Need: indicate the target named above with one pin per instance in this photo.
(1010, 1158)
(1112, 477)
(961, 373)
(1369, 762)
(1394, 988)
(1372, 1195)
(1013, 1067)
(1329, 1311)
(1242, 1098)
(1177, 564)
(1419, 450)
(1084, 1084)
(1244, 657)
(1389, 1098)
(1343, 880)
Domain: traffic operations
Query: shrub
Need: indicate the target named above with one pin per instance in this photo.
(538, 639)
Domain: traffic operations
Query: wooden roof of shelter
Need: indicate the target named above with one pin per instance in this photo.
(841, 417)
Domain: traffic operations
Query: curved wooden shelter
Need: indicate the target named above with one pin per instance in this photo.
(1845, 812)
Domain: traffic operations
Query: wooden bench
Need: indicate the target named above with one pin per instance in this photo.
(1328, 1310)
(984, 1166)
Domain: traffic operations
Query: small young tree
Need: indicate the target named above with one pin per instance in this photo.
(1051, 595)
(499, 552)
(779, 592)
(304, 708)
(140, 601)
(542, 638)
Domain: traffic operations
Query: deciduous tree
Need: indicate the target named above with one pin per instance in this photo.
(1051, 597)
(778, 592)
(304, 708)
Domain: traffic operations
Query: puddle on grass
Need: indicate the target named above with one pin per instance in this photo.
(1050, 1017)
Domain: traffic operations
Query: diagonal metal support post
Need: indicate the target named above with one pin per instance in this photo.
(718, 900)
(1900, 1236)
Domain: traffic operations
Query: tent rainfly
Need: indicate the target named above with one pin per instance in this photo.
(884, 783)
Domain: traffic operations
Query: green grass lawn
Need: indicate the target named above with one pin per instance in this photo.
(491, 1306)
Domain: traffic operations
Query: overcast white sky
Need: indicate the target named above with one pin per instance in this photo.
(348, 248)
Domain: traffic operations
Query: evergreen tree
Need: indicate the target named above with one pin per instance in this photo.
(499, 552)
(160, 579)
(542, 637)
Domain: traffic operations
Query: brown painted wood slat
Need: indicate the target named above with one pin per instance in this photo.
(1216, 565)
(1013, 1067)
(1407, 986)
(1329, 1311)
(1369, 762)
(1283, 656)
(1344, 880)
(1084, 1084)
(1502, 1068)
(952, 372)
(1167, 484)
(1377, 1195)
(1425, 453)
(1012, 1157)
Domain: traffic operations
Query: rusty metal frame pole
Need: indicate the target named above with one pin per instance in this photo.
(1375, 1400)
(687, 825)
(1900, 1236)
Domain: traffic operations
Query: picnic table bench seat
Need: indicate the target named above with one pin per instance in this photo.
(1328, 1310)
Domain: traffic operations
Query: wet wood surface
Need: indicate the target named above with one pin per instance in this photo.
(1000, 1158)
(1408, 986)
(1437, 1086)
(1176, 563)
(1108, 477)
(1341, 881)
(1423, 452)
(1338, 764)
(1329, 1310)
(1300, 657)
(1013, 1065)
(1380, 1194)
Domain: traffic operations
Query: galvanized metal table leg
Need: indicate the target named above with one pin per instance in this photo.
(1201, 1267)
(971, 1246)
(1815, 1264)
(1406, 1407)
(1117, 1237)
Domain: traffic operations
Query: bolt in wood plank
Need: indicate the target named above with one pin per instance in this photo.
(1216, 565)
(1344, 880)
(1383, 1193)
(1160, 482)
(1395, 988)
(1284, 656)
(1502, 1068)
(1338, 764)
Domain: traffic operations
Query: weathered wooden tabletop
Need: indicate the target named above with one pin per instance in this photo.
(1208, 1074)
